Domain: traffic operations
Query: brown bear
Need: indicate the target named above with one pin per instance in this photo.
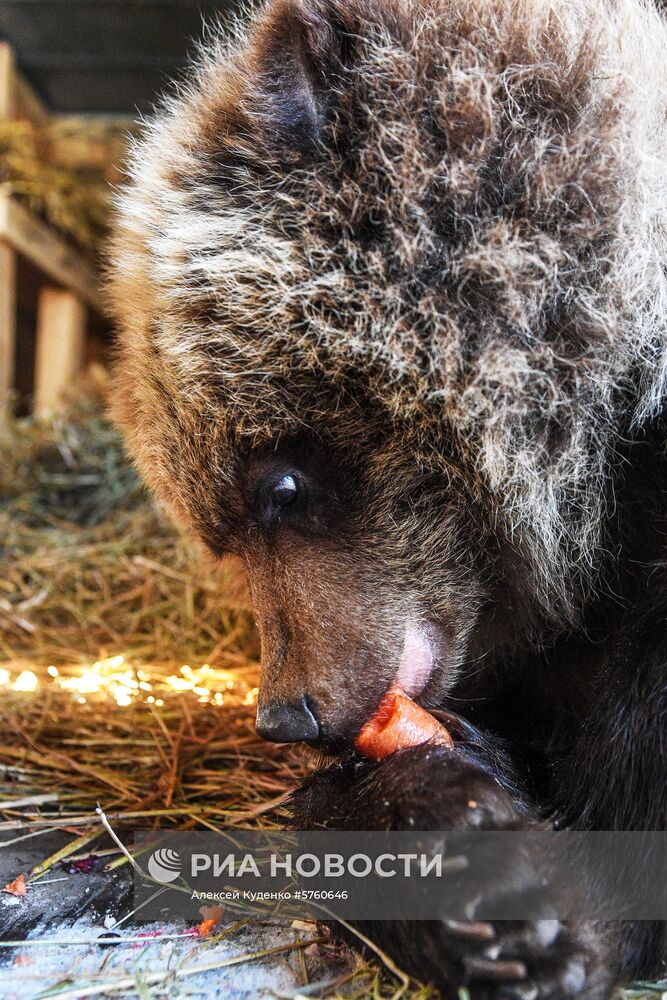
(390, 281)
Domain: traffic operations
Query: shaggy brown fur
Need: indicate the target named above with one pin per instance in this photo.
(461, 217)
(416, 250)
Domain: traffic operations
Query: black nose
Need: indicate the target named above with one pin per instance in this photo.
(286, 722)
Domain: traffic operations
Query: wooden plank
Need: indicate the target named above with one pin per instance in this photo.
(6, 77)
(17, 98)
(61, 331)
(7, 324)
(27, 104)
(44, 248)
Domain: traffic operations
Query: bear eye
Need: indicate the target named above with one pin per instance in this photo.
(285, 491)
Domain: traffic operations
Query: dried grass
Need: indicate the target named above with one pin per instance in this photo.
(37, 168)
(90, 570)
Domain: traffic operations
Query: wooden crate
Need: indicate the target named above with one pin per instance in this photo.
(69, 286)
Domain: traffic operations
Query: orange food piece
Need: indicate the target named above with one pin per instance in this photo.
(206, 926)
(17, 887)
(399, 722)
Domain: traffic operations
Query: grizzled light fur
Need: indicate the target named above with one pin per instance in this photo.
(443, 247)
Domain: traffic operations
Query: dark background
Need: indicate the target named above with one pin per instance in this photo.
(104, 56)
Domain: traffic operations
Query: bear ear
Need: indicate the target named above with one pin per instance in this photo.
(298, 49)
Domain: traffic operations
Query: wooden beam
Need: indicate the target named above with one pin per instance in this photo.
(17, 98)
(7, 325)
(6, 78)
(61, 333)
(44, 248)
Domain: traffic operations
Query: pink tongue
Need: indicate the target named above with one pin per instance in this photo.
(417, 660)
